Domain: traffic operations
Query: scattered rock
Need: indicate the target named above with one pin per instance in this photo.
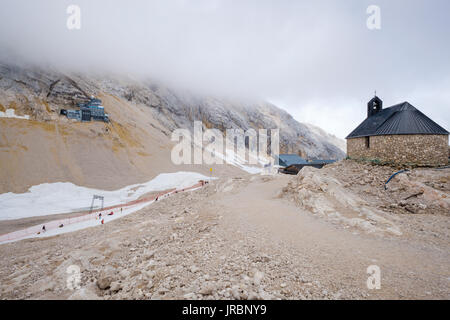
(85, 293)
(207, 289)
(124, 274)
(115, 286)
(190, 296)
(105, 278)
(194, 269)
(257, 277)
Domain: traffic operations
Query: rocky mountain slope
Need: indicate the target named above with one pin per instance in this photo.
(235, 239)
(143, 116)
(354, 195)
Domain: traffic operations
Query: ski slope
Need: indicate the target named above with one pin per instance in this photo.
(57, 227)
(65, 197)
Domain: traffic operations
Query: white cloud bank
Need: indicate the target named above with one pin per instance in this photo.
(318, 58)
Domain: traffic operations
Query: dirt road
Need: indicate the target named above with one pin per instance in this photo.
(336, 257)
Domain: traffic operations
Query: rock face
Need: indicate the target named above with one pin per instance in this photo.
(179, 110)
(353, 194)
(323, 194)
(42, 93)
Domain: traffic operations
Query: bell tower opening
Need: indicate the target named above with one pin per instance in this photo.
(374, 106)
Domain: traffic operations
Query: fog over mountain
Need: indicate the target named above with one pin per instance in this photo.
(110, 191)
(315, 59)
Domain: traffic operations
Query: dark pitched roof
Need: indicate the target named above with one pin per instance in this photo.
(286, 160)
(402, 118)
(320, 161)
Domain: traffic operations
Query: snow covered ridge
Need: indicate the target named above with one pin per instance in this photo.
(65, 197)
(11, 113)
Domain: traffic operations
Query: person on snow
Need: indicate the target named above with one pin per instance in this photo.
(43, 228)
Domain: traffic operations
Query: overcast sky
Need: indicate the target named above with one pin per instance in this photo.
(315, 59)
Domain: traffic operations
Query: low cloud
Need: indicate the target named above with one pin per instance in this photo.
(317, 59)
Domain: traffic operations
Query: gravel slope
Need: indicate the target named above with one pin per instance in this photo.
(235, 239)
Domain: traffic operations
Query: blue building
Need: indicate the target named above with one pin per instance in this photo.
(286, 160)
(292, 163)
(91, 110)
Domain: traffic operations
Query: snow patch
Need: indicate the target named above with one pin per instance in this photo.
(65, 197)
(11, 113)
(91, 221)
